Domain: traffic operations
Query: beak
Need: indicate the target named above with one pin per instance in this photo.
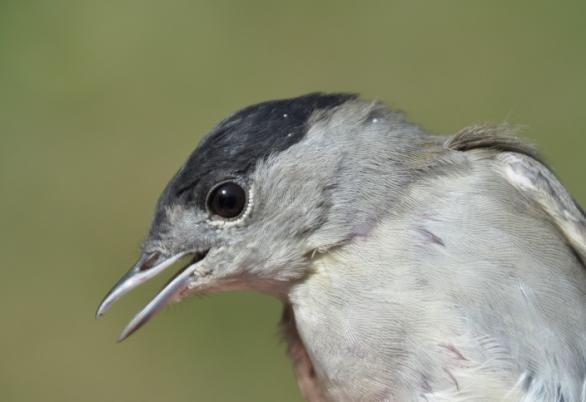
(147, 267)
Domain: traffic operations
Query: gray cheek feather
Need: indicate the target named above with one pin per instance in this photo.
(334, 185)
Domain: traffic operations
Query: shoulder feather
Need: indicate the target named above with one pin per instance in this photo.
(519, 164)
(495, 137)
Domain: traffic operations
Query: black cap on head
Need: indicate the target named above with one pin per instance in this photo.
(235, 145)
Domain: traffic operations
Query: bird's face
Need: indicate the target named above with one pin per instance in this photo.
(246, 211)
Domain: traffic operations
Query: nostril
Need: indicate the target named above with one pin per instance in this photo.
(150, 262)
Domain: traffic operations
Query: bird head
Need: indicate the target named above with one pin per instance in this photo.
(266, 189)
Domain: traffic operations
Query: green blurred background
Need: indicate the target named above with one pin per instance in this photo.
(100, 102)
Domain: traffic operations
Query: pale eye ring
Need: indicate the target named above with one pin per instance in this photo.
(227, 200)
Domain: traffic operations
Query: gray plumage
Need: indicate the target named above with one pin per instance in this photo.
(412, 267)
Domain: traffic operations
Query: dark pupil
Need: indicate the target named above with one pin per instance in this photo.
(227, 200)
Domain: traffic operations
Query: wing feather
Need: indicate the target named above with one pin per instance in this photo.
(519, 164)
(537, 183)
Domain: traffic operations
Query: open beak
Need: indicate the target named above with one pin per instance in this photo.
(147, 267)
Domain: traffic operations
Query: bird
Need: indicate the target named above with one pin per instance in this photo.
(411, 266)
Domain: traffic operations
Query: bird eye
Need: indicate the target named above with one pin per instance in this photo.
(227, 200)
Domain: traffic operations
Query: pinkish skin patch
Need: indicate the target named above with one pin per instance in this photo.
(454, 350)
(432, 237)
